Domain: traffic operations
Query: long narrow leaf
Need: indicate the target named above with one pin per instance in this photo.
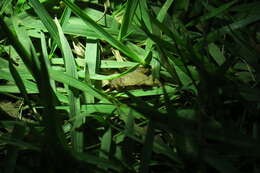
(103, 34)
(128, 17)
(70, 66)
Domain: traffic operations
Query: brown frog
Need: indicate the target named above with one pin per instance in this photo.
(138, 77)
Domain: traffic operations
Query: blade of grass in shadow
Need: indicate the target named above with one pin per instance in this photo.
(74, 102)
(128, 18)
(95, 160)
(103, 34)
(158, 147)
(182, 49)
(215, 12)
(12, 151)
(162, 14)
(19, 143)
(214, 35)
(176, 124)
(220, 164)
(147, 148)
(57, 149)
(162, 45)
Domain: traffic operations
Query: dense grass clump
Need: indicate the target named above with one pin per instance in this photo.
(129, 86)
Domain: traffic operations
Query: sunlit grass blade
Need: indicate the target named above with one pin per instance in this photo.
(74, 102)
(46, 20)
(4, 5)
(163, 11)
(68, 80)
(91, 65)
(23, 52)
(103, 34)
(106, 142)
(63, 22)
(30, 86)
(28, 53)
(128, 18)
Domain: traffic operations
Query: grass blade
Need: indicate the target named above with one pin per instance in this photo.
(147, 148)
(12, 151)
(128, 18)
(46, 20)
(103, 34)
(74, 102)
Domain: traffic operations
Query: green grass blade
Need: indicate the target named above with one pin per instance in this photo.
(46, 20)
(12, 151)
(54, 134)
(128, 18)
(68, 80)
(142, 12)
(20, 84)
(45, 56)
(92, 63)
(23, 51)
(95, 160)
(30, 86)
(106, 141)
(163, 11)
(213, 13)
(28, 52)
(216, 53)
(147, 148)
(103, 34)
(220, 164)
(4, 5)
(18, 143)
(74, 102)
(160, 17)
(214, 35)
(63, 21)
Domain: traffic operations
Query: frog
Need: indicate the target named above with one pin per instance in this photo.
(138, 78)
